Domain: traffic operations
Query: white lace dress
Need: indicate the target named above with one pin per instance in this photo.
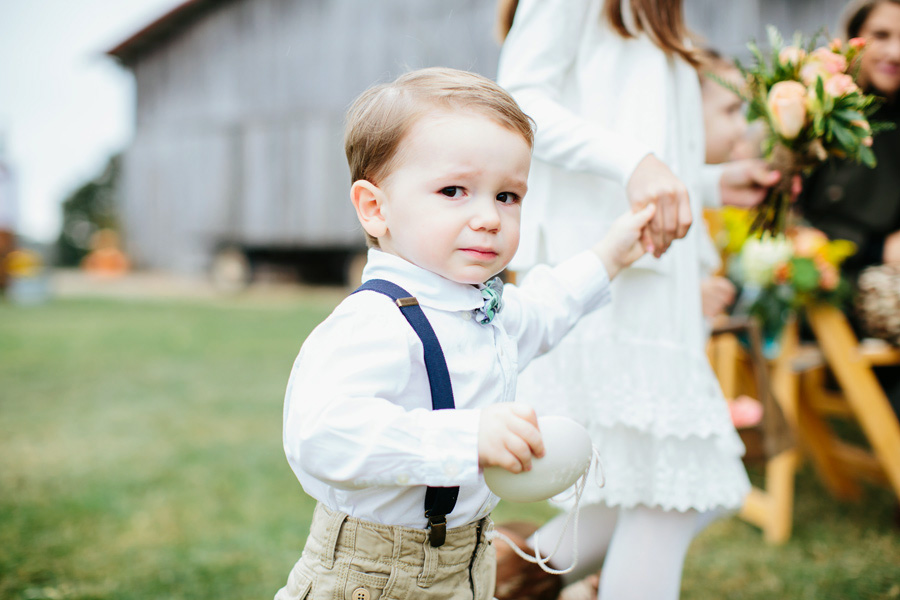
(635, 373)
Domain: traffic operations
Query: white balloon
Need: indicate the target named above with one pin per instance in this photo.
(567, 456)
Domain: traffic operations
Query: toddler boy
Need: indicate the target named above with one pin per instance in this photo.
(439, 161)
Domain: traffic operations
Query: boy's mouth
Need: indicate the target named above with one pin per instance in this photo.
(480, 253)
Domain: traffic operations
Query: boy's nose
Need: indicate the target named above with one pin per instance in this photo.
(485, 215)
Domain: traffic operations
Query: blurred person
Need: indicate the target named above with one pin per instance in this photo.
(851, 201)
(8, 215)
(725, 128)
(439, 161)
(614, 91)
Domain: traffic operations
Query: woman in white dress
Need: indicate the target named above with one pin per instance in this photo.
(615, 95)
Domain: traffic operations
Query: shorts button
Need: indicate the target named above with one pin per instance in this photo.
(360, 594)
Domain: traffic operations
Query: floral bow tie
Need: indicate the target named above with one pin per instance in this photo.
(492, 292)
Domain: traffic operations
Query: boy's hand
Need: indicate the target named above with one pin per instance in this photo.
(508, 436)
(625, 242)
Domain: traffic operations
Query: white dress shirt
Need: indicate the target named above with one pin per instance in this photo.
(359, 431)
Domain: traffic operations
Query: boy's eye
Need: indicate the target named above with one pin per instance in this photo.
(451, 191)
(507, 198)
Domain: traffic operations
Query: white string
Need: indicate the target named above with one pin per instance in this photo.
(543, 562)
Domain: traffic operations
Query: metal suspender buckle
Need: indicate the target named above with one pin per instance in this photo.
(411, 301)
(437, 530)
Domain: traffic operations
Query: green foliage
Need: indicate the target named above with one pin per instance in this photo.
(91, 207)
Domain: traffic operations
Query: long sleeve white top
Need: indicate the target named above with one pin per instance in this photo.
(601, 104)
(359, 431)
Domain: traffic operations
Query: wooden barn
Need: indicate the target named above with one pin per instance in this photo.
(238, 133)
(239, 119)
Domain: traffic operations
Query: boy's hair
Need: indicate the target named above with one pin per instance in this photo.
(380, 118)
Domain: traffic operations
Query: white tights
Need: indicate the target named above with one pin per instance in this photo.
(644, 548)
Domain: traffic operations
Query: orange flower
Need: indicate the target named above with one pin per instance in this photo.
(782, 273)
(857, 43)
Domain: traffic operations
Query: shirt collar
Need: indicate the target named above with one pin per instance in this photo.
(429, 288)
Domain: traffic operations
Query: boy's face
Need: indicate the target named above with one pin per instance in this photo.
(453, 200)
(723, 118)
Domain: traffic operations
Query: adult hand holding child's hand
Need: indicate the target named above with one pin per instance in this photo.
(508, 437)
(652, 182)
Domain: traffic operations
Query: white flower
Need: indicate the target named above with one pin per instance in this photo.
(759, 257)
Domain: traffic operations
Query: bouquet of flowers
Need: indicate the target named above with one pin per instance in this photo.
(812, 108)
(780, 274)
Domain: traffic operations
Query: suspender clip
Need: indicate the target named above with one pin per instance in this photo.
(437, 530)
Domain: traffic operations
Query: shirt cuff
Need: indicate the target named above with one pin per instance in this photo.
(586, 279)
(710, 188)
(450, 443)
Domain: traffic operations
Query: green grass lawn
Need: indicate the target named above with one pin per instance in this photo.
(140, 457)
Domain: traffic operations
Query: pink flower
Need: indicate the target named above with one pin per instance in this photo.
(857, 43)
(840, 85)
(822, 63)
(835, 45)
(792, 54)
(787, 105)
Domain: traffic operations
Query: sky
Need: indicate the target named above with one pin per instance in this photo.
(65, 106)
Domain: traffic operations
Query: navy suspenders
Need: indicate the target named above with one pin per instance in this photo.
(439, 501)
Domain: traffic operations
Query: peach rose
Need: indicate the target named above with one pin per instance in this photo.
(787, 105)
(808, 242)
(857, 43)
(835, 45)
(840, 85)
(792, 54)
(822, 63)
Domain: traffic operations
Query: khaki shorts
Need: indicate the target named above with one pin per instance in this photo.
(351, 559)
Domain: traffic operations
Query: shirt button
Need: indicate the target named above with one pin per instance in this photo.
(466, 315)
(360, 594)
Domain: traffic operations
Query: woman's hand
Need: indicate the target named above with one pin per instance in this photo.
(652, 182)
(745, 183)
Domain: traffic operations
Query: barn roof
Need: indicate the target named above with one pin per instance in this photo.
(165, 27)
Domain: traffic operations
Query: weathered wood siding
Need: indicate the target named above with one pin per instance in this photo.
(239, 118)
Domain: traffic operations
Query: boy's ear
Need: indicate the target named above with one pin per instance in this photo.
(368, 200)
